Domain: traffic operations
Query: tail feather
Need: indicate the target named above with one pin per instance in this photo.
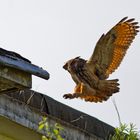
(109, 86)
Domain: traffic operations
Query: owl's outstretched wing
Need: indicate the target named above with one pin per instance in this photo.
(111, 47)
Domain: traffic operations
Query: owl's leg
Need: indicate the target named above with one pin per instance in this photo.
(77, 91)
(81, 91)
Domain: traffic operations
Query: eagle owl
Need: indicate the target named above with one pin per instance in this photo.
(91, 75)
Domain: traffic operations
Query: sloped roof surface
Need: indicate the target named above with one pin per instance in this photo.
(65, 113)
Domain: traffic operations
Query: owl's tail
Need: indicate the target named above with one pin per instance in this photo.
(109, 86)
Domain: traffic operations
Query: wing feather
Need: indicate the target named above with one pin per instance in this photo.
(111, 48)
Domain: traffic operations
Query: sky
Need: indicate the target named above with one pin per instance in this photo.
(50, 32)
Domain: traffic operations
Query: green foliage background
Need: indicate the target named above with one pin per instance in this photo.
(51, 132)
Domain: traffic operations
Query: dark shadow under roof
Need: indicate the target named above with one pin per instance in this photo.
(63, 112)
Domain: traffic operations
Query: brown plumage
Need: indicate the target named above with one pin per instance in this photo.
(90, 75)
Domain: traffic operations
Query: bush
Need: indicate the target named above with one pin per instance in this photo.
(51, 132)
(125, 132)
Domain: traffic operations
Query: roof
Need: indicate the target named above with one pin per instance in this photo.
(47, 105)
(15, 60)
(43, 103)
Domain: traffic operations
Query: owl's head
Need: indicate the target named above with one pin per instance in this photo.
(73, 65)
(69, 63)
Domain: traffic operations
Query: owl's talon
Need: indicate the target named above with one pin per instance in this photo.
(66, 96)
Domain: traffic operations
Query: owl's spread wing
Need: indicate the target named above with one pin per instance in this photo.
(112, 47)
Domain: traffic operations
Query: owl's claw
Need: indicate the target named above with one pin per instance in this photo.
(71, 96)
(66, 96)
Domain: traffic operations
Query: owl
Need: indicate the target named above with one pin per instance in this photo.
(91, 76)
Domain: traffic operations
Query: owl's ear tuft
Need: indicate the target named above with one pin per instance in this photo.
(77, 57)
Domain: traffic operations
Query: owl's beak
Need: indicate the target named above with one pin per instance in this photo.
(65, 66)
